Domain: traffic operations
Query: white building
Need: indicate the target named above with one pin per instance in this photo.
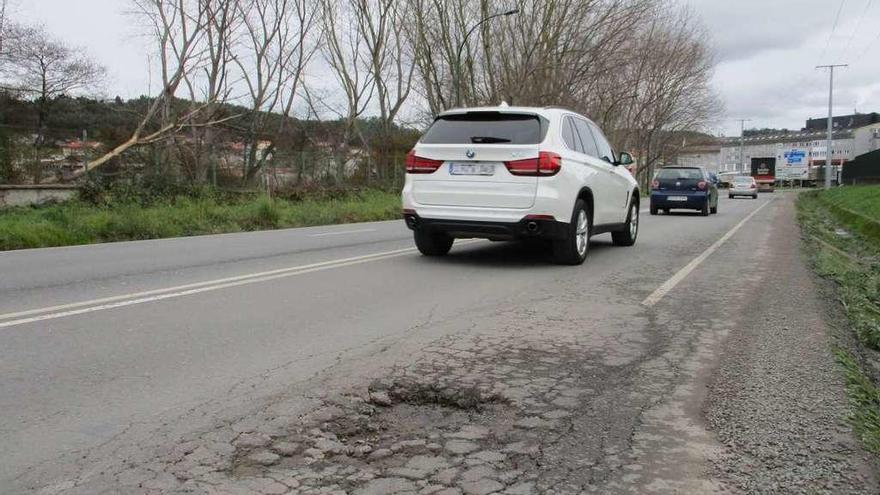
(706, 155)
(797, 154)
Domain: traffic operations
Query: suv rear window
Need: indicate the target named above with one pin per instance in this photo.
(486, 128)
(680, 173)
(746, 180)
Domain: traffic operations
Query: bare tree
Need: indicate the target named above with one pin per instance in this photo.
(345, 52)
(640, 68)
(380, 25)
(179, 29)
(271, 56)
(37, 64)
(212, 85)
(436, 31)
(669, 81)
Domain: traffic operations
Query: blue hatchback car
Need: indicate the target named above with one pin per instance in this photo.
(690, 188)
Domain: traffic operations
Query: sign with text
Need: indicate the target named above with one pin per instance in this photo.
(795, 157)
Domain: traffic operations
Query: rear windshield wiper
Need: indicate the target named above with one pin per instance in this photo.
(488, 139)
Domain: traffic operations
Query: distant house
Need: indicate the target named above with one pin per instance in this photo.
(78, 148)
(262, 147)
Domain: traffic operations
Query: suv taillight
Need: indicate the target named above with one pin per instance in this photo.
(701, 184)
(547, 163)
(419, 165)
(655, 184)
(752, 186)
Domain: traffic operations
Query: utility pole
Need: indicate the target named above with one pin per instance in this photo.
(740, 167)
(2, 21)
(85, 137)
(828, 153)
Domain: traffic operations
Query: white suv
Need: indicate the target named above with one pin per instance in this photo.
(505, 173)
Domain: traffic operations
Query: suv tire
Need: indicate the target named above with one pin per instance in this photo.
(627, 236)
(574, 248)
(432, 243)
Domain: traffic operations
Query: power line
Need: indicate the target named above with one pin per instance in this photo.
(858, 25)
(869, 46)
(833, 28)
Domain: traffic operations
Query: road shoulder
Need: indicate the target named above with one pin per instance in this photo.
(777, 400)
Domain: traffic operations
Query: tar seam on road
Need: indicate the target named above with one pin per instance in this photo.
(670, 284)
(65, 310)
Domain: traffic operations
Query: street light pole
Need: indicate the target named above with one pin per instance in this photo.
(458, 68)
(828, 153)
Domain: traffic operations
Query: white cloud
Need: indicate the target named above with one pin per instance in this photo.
(768, 50)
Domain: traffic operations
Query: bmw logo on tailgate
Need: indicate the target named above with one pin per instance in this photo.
(470, 153)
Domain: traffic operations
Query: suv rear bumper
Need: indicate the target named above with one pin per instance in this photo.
(500, 231)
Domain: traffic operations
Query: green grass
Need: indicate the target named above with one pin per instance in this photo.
(865, 399)
(857, 206)
(838, 227)
(862, 199)
(79, 222)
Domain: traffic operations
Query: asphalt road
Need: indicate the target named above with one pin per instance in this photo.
(119, 348)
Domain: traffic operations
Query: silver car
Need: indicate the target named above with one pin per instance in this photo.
(743, 186)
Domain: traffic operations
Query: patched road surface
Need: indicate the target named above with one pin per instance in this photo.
(336, 360)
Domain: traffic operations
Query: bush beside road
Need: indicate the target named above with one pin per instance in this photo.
(125, 219)
(841, 230)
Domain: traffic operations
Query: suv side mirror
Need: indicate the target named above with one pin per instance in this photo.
(624, 158)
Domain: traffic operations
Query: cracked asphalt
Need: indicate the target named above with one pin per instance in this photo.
(490, 371)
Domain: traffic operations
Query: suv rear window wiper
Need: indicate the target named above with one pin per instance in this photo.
(488, 139)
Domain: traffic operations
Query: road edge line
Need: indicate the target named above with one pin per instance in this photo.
(680, 275)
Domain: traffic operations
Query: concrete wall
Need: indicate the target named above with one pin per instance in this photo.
(709, 160)
(25, 195)
(866, 139)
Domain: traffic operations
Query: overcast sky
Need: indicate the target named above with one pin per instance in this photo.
(766, 52)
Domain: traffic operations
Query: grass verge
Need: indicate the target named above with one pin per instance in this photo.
(80, 222)
(839, 232)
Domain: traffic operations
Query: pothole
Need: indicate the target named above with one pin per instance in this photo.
(468, 398)
(461, 419)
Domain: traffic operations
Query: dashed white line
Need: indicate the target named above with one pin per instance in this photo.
(670, 284)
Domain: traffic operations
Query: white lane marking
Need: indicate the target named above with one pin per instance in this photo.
(105, 303)
(183, 287)
(343, 232)
(681, 274)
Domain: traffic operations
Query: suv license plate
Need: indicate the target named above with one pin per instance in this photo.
(676, 198)
(471, 168)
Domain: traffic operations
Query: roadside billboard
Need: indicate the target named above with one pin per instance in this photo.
(794, 165)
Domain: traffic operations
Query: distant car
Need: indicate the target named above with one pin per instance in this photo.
(743, 186)
(505, 173)
(690, 188)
